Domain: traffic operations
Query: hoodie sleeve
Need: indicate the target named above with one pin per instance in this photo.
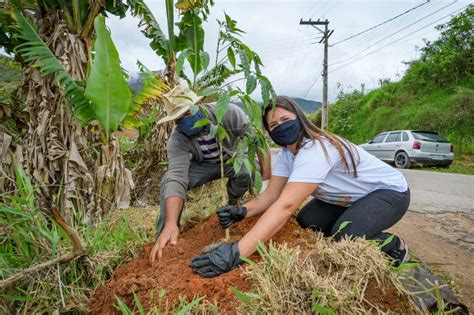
(179, 160)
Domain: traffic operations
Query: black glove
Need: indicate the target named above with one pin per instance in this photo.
(222, 259)
(228, 215)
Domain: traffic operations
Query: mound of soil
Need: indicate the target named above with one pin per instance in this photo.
(173, 274)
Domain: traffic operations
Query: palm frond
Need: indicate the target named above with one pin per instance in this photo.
(152, 29)
(35, 50)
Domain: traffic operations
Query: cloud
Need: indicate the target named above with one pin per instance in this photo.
(291, 62)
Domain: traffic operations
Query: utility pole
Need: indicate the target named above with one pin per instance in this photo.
(326, 33)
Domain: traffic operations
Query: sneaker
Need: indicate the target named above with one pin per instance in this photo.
(400, 255)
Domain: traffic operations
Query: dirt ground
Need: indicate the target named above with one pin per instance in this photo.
(173, 274)
(445, 242)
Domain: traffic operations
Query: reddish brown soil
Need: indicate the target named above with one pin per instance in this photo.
(173, 274)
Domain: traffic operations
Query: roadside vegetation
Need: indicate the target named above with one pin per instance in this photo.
(436, 94)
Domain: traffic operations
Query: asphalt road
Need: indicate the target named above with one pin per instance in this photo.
(436, 193)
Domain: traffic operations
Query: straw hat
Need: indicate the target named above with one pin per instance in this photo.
(177, 102)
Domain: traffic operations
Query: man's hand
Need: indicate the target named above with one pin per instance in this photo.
(228, 215)
(170, 234)
(223, 259)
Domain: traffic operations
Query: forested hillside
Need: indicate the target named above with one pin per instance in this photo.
(436, 93)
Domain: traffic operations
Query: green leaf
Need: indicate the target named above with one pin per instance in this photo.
(152, 29)
(242, 296)
(209, 91)
(249, 165)
(319, 309)
(204, 56)
(248, 261)
(221, 106)
(406, 266)
(221, 133)
(245, 62)
(138, 303)
(237, 165)
(258, 181)
(180, 62)
(342, 226)
(231, 56)
(202, 122)
(122, 307)
(106, 86)
(387, 241)
(256, 114)
(189, 306)
(251, 84)
(213, 130)
(194, 34)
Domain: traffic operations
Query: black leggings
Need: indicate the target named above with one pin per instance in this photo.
(368, 216)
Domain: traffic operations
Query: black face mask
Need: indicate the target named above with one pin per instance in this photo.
(287, 133)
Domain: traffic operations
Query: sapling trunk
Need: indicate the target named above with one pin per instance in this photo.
(224, 191)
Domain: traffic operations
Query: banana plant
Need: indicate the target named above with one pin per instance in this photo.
(106, 97)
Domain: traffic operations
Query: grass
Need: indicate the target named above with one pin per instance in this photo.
(28, 237)
(462, 165)
(318, 276)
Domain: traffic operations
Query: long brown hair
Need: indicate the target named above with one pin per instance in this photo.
(345, 148)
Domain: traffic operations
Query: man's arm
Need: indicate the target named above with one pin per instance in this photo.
(170, 232)
(174, 195)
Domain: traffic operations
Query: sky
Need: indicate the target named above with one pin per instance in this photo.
(291, 53)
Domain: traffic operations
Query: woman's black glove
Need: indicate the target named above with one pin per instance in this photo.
(222, 259)
(228, 215)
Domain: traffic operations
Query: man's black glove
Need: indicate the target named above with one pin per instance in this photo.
(228, 215)
(222, 259)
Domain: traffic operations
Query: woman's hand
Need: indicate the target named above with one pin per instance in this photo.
(222, 259)
(228, 215)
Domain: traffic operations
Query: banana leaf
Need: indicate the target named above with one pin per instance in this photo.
(107, 88)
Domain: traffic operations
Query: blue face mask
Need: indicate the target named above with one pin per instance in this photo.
(287, 133)
(185, 124)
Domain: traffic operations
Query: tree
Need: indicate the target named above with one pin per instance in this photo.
(73, 164)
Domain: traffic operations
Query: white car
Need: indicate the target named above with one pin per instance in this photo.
(404, 147)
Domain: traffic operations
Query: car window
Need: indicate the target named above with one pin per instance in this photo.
(378, 139)
(393, 137)
(405, 136)
(428, 136)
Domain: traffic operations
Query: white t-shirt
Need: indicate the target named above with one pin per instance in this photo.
(336, 185)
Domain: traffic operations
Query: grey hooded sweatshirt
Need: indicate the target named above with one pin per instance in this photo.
(182, 149)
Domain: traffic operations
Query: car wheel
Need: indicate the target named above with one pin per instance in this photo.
(402, 160)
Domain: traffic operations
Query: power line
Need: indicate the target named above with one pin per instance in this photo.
(395, 41)
(392, 34)
(314, 82)
(372, 36)
(380, 24)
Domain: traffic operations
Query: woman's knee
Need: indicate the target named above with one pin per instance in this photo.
(306, 220)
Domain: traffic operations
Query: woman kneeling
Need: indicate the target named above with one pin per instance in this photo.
(355, 194)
